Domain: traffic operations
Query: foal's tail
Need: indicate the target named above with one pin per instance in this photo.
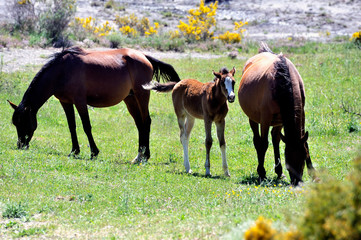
(165, 87)
(164, 70)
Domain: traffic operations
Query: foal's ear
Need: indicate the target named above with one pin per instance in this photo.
(12, 105)
(233, 71)
(218, 75)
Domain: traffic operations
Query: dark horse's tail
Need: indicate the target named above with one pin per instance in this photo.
(164, 70)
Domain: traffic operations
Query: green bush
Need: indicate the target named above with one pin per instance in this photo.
(333, 208)
(15, 210)
(55, 19)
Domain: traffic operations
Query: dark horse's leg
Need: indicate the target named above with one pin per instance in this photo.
(261, 145)
(84, 115)
(70, 116)
(138, 107)
(276, 138)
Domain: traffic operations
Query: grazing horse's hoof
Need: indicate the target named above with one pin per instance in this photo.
(74, 153)
(140, 158)
(227, 174)
(281, 177)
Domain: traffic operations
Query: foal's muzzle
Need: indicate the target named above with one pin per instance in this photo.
(231, 97)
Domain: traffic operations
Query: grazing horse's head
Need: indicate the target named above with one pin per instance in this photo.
(296, 153)
(226, 80)
(25, 122)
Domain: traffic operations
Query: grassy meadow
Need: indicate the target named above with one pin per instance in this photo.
(55, 196)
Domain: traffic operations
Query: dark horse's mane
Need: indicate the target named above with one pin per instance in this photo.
(54, 58)
(283, 91)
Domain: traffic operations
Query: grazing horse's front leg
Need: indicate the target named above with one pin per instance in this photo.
(84, 116)
(70, 116)
(208, 143)
(222, 144)
(261, 145)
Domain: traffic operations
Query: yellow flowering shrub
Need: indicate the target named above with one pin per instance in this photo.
(131, 26)
(356, 37)
(200, 22)
(85, 26)
(24, 2)
(233, 37)
(263, 230)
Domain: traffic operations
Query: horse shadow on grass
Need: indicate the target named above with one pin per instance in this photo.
(269, 182)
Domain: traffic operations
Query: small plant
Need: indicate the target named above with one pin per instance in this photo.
(356, 37)
(15, 210)
(233, 37)
(200, 22)
(333, 208)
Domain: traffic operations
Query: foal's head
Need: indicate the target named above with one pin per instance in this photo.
(25, 122)
(226, 80)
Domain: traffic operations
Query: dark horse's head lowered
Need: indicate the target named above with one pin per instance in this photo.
(25, 122)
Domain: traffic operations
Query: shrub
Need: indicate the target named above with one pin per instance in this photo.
(200, 22)
(333, 208)
(55, 18)
(23, 14)
(15, 210)
(356, 37)
(233, 37)
(131, 26)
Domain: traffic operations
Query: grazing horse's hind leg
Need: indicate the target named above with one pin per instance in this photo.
(222, 144)
(276, 137)
(84, 115)
(185, 126)
(139, 111)
(261, 145)
(70, 116)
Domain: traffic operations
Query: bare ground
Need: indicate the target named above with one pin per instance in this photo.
(268, 19)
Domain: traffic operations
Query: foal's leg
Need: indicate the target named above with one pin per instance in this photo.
(84, 115)
(185, 126)
(139, 111)
(261, 145)
(222, 144)
(70, 116)
(208, 143)
(276, 137)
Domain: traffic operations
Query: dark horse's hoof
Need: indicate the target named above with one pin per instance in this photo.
(74, 153)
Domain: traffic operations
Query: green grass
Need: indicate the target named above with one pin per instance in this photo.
(108, 198)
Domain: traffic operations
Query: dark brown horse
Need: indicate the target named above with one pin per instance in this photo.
(208, 101)
(96, 78)
(271, 93)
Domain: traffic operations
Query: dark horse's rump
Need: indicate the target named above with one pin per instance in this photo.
(98, 78)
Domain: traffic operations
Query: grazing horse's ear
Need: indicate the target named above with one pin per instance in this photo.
(12, 105)
(233, 71)
(218, 75)
(305, 137)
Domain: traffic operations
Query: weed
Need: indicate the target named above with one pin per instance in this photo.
(15, 210)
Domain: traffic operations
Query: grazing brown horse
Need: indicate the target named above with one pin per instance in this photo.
(208, 101)
(271, 93)
(96, 78)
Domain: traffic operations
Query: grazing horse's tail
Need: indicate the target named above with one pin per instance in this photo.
(164, 70)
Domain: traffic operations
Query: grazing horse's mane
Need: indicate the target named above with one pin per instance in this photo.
(53, 59)
(56, 56)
